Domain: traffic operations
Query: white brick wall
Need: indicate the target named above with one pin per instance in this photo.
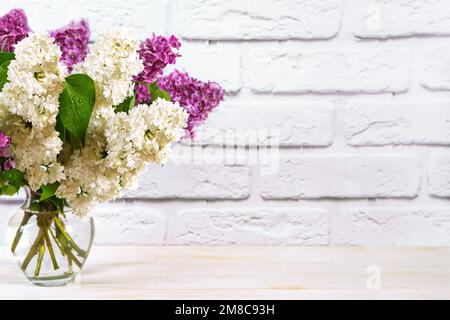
(329, 71)
(355, 92)
(303, 124)
(256, 226)
(439, 175)
(397, 123)
(194, 181)
(393, 226)
(256, 19)
(331, 176)
(401, 18)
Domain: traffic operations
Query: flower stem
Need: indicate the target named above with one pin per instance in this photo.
(74, 259)
(33, 250)
(69, 262)
(57, 243)
(65, 250)
(50, 250)
(26, 218)
(40, 257)
(69, 239)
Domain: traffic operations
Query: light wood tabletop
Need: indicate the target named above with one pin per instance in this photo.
(246, 273)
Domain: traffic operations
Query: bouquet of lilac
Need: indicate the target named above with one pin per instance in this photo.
(78, 125)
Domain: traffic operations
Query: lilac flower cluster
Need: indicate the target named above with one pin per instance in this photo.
(5, 155)
(197, 97)
(156, 53)
(13, 28)
(73, 40)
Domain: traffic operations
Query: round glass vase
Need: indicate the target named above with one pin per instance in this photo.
(50, 247)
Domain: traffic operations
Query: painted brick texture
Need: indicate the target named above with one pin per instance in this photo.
(329, 71)
(314, 177)
(335, 129)
(254, 19)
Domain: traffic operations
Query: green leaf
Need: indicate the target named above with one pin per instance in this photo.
(76, 103)
(8, 190)
(6, 56)
(4, 74)
(58, 203)
(48, 191)
(14, 178)
(5, 59)
(35, 206)
(126, 105)
(156, 93)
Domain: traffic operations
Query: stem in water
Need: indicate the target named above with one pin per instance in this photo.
(50, 250)
(26, 218)
(33, 250)
(69, 239)
(40, 257)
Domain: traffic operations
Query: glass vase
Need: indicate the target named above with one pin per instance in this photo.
(50, 247)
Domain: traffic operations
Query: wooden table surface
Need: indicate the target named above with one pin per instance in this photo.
(246, 273)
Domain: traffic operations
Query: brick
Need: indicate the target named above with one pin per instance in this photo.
(220, 65)
(122, 223)
(435, 75)
(255, 19)
(401, 18)
(141, 16)
(439, 175)
(397, 123)
(194, 181)
(343, 176)
(329, 71)
(252, 226)
(285, 124)
(393, 226)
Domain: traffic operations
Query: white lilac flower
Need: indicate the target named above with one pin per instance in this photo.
(118, 145)
(35, 151)
(29, 106)
(35, 81)
(82, 171)
(112, 63)
(165, 124)
(123, 144)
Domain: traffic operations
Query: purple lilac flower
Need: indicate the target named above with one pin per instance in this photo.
(73, 40)
(13, 28)
(197, 97)
(156, 53)
(5, 141)
(142, 93)
(9, 164)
